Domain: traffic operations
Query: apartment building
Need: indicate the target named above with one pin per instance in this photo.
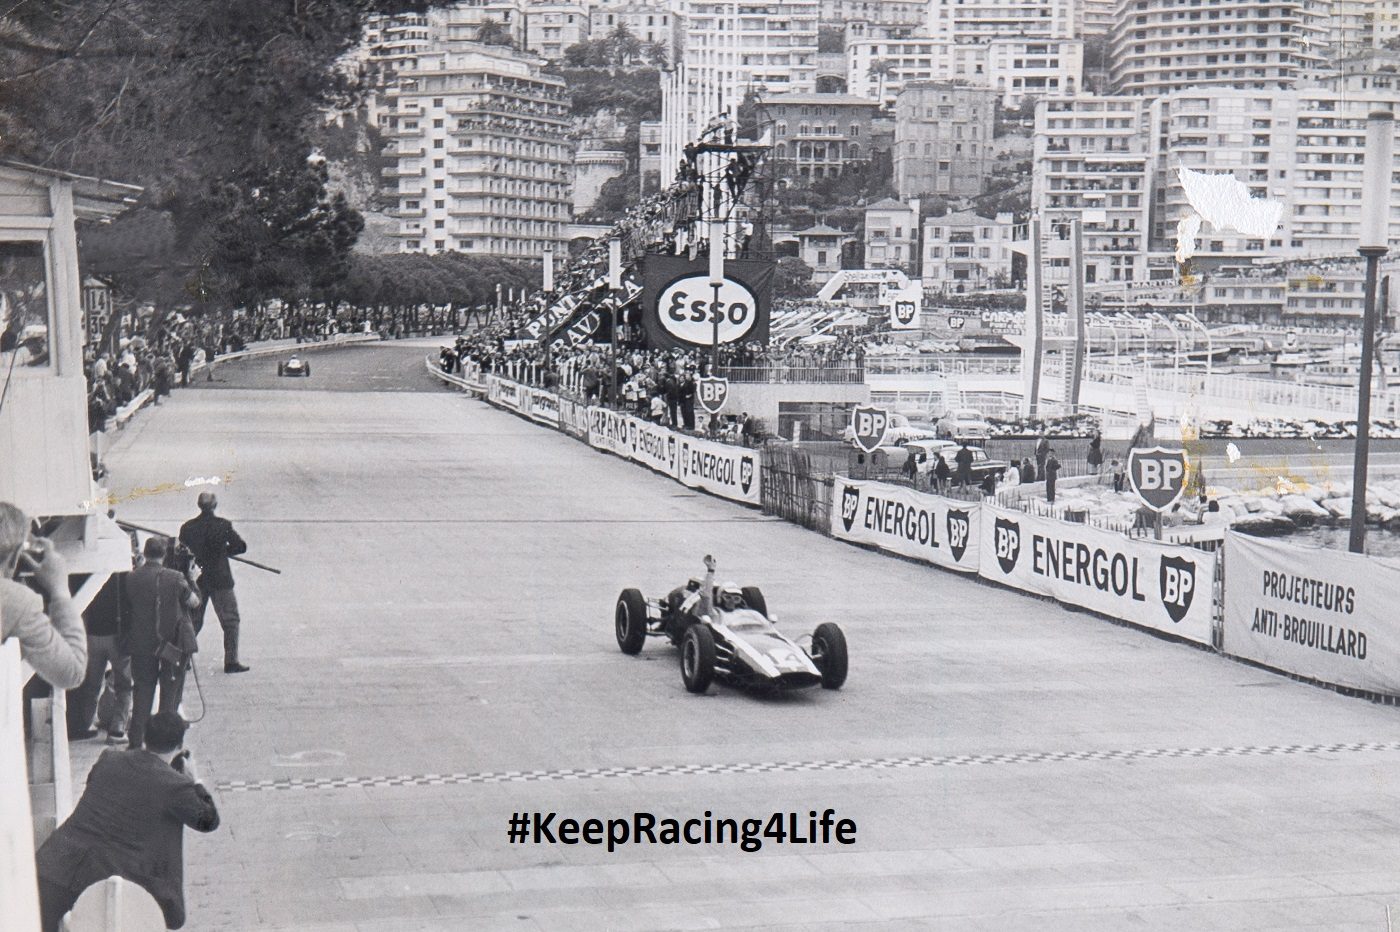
(481, 158)
(904, 13)
(1095, 18)
(1161, 46)
(1015, 67)
(770, 47)
(1386, 22)
(1350, 28)
(1093, 163)
(984, 20)
(464, 20)
(819, 135)
(943, 139)
(653, 174)
(550, 28)
(1304, 147)
(650, 22)
(965, 252)
(891, 235)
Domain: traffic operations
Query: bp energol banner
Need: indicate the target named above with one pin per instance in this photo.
(1328, 615)
(652, 445)
(719, 468)
(678, 302)
(936, 530)
(1162, 586)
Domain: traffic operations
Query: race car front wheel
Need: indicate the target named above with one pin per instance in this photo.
(698, 658)
(630, 621)
(829, 654)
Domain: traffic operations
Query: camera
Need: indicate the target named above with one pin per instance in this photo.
(30, 556)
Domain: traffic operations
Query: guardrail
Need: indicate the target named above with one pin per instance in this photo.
(784, 374)
(941, 365)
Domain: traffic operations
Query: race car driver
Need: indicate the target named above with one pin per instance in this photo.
(694, 600)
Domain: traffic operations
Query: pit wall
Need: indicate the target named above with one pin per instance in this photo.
(1317, 615)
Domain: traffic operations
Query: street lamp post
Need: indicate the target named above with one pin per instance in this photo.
(1374, 243)
(716, 282)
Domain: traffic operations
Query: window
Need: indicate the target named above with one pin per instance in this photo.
(437, 143)
(437, 163)
(437, 101)
(438, 183)
(24, 296)
(439, 244)
(437, 124)
(439, 204)
(412, 244)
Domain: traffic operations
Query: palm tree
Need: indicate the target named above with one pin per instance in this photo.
(880, 70)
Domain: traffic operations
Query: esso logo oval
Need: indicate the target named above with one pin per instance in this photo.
(686, 309)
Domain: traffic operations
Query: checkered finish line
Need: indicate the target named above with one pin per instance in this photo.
(861, 763)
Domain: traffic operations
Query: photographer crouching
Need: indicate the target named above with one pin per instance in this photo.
(51, 636)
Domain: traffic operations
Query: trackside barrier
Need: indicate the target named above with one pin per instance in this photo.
(722, 469)
(1332, 624)
(1323, 615)
(473, 385)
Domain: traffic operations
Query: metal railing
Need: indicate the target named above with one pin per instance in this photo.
(942, 365)
(784, 374)
(1338, 398)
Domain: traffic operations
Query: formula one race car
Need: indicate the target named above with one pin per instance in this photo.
(735, 640)
(294, 367)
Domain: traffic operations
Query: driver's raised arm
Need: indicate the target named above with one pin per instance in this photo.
(707, 589)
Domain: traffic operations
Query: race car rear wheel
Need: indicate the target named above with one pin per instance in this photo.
(698, 658)
(753, 598)
(306, 370)
(829, 654)
(630, 621)
(281, 369)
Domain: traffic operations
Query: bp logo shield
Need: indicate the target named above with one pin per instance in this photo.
(1006, 540)
(869, 425)
(905, 312)
(1158, 476)
(712, 391)
(1178, 582)
(671, 451)
(746, 473)
(850, 501)
(959, 530)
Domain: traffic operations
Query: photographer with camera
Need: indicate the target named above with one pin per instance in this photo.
(160, 635)
(129, 823)
(51, 636)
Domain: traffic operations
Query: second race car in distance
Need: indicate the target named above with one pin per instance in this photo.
(294, 367)
(726, 632)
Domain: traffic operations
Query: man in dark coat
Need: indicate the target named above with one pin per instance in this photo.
(130, 823)
(213, 540)
(158, 599)
(1052, 471)
(964, 460)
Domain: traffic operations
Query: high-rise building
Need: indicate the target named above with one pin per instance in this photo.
(656, 21)
(1161, 46)
(943, 139)
(1386, 18)
(1093, 164)
(729, 50)
(1015, 67)
(481, 154)
(1095, 18)
(911, 13)
(771, 47)
(1350, 28)
(550, 28)
(1303, 147)
(983, 20)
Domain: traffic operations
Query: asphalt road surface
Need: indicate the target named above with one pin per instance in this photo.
(438, 654)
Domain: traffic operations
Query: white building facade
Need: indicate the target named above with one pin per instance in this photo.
(481, 155)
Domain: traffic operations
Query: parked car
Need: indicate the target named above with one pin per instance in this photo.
(964, 423)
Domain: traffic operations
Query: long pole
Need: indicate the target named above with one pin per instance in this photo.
(1361, 461)
(1373, 242)
(148, 530)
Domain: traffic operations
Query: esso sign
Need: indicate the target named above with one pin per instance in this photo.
(686, 310)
